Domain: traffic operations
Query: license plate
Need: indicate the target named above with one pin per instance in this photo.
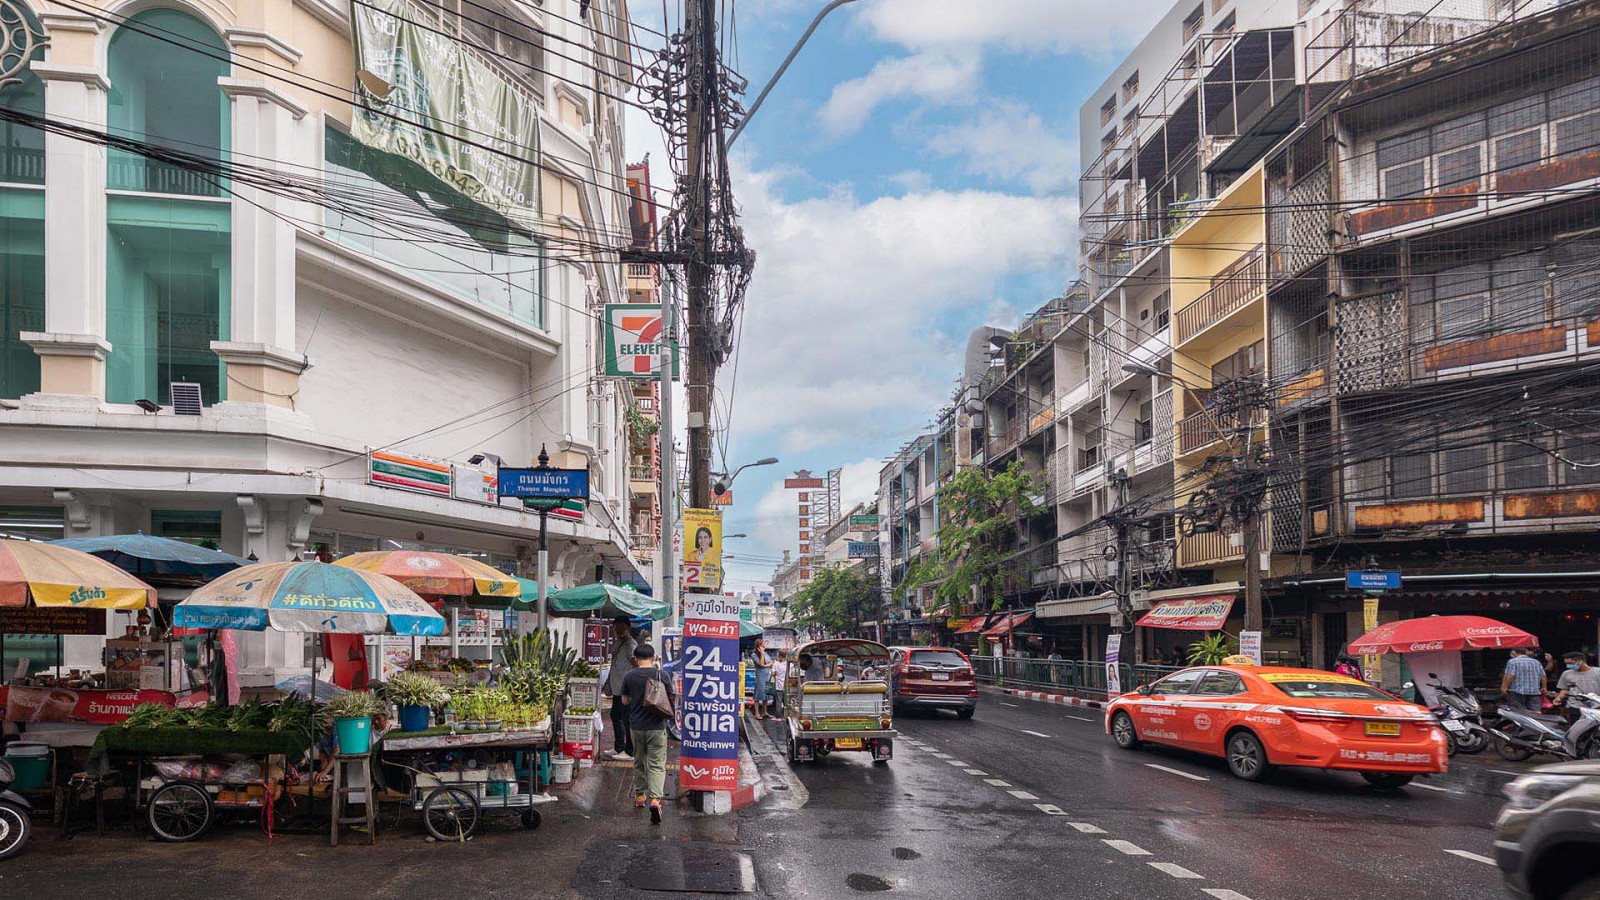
(1383, 729)
(1456, 727)
(941, 676)
(847, 743)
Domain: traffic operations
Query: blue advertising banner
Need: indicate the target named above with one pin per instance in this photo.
(545, 484)
(709, 760)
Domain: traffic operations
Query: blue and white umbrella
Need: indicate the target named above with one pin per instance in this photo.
(308, 597)
(145, 554)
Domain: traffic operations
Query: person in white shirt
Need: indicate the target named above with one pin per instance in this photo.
(780, 676)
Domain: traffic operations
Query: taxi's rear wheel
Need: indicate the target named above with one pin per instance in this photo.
(1247, 759)
(1386, 781)
(1123, 732)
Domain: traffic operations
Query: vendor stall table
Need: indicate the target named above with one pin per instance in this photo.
(451, 802)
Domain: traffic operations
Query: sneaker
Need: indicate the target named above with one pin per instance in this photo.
(638, 802)
(622, 757)
(655, 812)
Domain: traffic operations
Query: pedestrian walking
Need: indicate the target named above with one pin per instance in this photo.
(621, 663)
(761, 669)
(648, 695)
(1523, 685)
(780, 679)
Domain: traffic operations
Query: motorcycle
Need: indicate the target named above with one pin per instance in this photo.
(1521, 734)
(14, 824)
(1460, 715)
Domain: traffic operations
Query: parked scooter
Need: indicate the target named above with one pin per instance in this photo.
(14, 825)
(1461, 716)
(1521, 734)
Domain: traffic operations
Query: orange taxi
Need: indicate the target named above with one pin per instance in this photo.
(1260, 717)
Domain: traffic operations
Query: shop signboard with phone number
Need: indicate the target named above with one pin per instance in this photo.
(711, 702)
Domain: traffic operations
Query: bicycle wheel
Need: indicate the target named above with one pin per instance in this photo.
(450, 813)
(179, 811)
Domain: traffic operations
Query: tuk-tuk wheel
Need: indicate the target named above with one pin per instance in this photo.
(880, 762)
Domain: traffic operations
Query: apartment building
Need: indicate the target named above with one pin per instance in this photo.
(644, 405)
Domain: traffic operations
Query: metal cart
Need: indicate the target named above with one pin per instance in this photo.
(453, 802)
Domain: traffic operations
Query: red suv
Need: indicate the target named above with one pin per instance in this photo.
(932, 678)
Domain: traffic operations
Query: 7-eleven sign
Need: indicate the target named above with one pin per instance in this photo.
(633, 341)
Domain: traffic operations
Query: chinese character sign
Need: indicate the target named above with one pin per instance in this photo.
(710, 707)
(702, 558)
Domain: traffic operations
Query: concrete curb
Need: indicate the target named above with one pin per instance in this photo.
(1044, 697)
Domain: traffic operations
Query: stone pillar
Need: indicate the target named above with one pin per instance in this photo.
(270, 529)
(73, 346)
(263, 367)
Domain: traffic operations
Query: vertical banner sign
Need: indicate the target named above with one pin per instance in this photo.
(1250, 645)
(1113, 667)
(702, 559)
(710, 754)
(1371, 663)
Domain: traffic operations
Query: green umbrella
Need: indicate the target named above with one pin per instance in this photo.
(529, 601)
(605, 601)
(749, 629)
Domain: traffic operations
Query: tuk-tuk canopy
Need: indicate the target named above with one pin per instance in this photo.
(846, 648)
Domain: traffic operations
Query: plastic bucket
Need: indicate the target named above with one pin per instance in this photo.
(32, 768)
(413, 718)
(561, 770)
(354, 736)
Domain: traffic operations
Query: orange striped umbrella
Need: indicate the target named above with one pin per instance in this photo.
(437, 574)
(61, 577)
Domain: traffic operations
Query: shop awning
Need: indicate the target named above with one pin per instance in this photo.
(1191, 614)
(973, 626)
(1007, 625)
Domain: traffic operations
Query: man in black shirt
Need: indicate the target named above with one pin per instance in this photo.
(648, 730)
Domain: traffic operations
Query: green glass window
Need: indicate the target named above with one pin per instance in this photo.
(22, 146)
(164, 67)
(21, 287)
(32, 523)
(167, 297)
(196, 526)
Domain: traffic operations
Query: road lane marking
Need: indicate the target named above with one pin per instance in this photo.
(1176, 871)
(1188, 775)
(1508, 772)
(1433, 787)
(1012, 705)
(1079, 718)
(1086, 828)
(1225, 894)
(979, 772)
(997, 782)
(1127, 847)
(957, 763)
(1023, 795)
(938, 754)
(1050, 809)
(1034, 733)
(1475, 857)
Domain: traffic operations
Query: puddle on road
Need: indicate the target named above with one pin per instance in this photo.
(906, 853)
(859, 881)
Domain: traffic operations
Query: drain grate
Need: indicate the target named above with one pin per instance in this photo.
(691, 868)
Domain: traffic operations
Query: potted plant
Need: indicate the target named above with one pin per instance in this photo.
(416, 695)
(1211, 650)
(352, 714)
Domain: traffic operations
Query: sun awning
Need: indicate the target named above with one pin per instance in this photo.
(1007, 625)
(1191, 614)
(973, 626)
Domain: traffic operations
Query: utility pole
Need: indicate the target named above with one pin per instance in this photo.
(669, 460)
(700, 25)
(1122, 581)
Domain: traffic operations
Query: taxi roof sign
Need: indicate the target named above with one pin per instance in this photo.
(1238, 659)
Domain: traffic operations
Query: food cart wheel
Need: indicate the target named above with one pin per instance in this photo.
(531, 819)
(450, 813)
(179, 811)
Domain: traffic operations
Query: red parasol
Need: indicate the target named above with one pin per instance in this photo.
(1441, 633)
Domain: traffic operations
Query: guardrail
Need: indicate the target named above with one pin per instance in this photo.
(1071, 675)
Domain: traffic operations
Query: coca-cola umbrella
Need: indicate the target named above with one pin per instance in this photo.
(1434, 633)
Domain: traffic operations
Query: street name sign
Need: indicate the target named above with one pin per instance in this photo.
(545, 484)
(1372, 581)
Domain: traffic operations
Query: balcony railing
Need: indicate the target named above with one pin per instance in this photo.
(1204, 549)
(1245, 281)
(1004, 439)
(642, 473)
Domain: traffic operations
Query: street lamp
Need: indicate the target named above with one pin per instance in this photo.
(482, 455)
(721, 487)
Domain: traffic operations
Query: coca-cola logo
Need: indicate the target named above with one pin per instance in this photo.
(1491, 631)
(1425, 646)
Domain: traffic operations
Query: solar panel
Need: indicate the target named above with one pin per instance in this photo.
(185, 399)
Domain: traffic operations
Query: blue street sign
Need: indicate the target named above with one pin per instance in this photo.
(1372, 581)
(545, 484)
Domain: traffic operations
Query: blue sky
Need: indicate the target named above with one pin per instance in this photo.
(912, 177)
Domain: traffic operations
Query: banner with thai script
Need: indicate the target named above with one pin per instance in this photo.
(94, 707)
(709, 760)
(1196, 614)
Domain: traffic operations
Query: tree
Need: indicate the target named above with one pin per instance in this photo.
(833, 601)
(981, 511)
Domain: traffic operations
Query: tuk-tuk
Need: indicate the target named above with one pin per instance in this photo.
(848, 709)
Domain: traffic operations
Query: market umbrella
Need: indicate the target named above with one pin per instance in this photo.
(306, 687)
(606, 601)
(308, 597)
(749, 629)
(144, 554)
(440, 574)
(1434, 633)
(53, 576)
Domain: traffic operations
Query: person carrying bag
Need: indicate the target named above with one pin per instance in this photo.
(647, 693)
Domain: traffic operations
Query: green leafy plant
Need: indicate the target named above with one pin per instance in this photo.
(354, 705)
(1212, 649)
(641, 428)
(985, 512)
(834, 599)
(412, 689)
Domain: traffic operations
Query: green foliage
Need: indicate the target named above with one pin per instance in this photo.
(412, 689)
(641, 428)
(354, 705)
(833, 600)
(1212, 649)
(982, 511)
(537, 668)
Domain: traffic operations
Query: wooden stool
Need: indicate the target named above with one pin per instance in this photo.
(353, 774)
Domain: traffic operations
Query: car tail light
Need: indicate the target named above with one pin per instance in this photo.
(963, 674)
(1311, 714)
(806, 723)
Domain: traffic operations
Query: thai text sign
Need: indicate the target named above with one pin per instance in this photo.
(635, 342)
(1372, 581)
(868, 522)
(702, 560)
(862, 549)
(1197, 614)
(709, 759)
(545, 484)
(96, 707)
(53, 620)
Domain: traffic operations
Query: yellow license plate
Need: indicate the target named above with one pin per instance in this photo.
(847, 743)
(1383, 729)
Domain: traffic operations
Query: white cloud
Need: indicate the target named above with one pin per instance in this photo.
(936, 78)
(1061, 26)
(842, 338)
(1008, 143)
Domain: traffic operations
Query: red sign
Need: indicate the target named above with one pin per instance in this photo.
(803, 483)
(708, 628)
(95, 707)
(723, 499)
(1195, 614)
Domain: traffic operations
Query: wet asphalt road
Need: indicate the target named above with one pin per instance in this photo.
(1033, 800)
